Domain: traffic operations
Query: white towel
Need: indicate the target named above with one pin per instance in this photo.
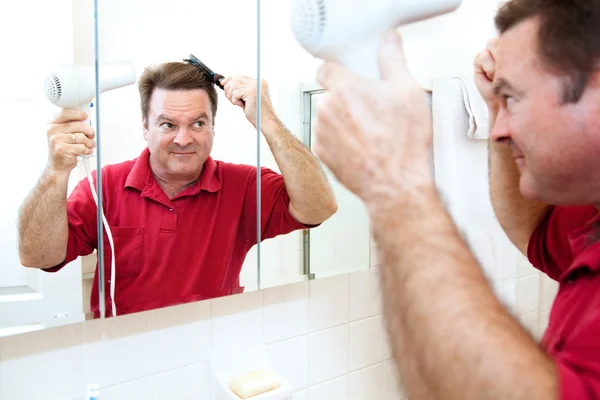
(476, 109)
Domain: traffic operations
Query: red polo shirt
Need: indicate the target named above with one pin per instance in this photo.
(171, 251)
(566, 246)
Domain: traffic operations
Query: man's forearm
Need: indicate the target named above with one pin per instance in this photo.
(448, 331)
(311, 198)
(43, 226)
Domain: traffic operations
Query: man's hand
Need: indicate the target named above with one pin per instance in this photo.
(68, 137)
(376, 135)
(485, 69)
(241, 91)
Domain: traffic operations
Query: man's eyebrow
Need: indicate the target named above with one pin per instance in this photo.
(163, 116)
(503, 85)
(201, 115)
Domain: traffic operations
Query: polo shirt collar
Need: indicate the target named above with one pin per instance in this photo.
(141, 178)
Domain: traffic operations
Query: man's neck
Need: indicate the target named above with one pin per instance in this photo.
(171, 186)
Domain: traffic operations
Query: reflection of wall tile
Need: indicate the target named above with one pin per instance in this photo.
(329, 302)
(328, 354)
(524, 267)
(285, 312)
(543, 319)
(548, 291)
(527, 294)
(530, 322)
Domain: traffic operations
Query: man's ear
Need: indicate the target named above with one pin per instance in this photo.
(145, 126)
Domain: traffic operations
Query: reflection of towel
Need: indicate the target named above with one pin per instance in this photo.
(476, 108)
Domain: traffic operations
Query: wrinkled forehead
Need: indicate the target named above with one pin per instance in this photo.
(517, 49)
(180, 104)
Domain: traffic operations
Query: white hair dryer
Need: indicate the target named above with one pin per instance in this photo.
(74, 86)
(350, 31)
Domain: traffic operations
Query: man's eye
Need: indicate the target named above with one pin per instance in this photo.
(510, 101)
(199, 124)
(166, 125)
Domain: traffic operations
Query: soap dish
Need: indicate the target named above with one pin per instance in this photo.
(224, 368)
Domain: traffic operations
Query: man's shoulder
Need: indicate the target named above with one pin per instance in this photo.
(234, 169)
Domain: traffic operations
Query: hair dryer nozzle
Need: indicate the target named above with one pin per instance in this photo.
(73, 86)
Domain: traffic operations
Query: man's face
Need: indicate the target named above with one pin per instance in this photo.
(556, 145)
(179, 132)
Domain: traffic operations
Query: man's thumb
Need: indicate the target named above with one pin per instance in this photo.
(392, 62)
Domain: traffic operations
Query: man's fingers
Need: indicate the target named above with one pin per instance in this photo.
(333, 76)
(484, 63)
(392, 62)
(74, 127)
(69, 114)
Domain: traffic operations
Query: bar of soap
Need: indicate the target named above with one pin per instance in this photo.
(254, 383)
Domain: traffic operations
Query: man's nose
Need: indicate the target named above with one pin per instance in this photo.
(500, 131)
(183, 137)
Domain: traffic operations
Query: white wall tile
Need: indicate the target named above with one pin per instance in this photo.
(530, 323)
(180, 335)
(392, 389)
(285, 312)
(236, 322)
(366, 384)
(334, 389)
(187, 383)
(548, 291)
(329, 302)
(527, 294)
(42, 364)
(118, 350)
(365, 343)
(290, 360)
(301, 395)
(328, 354)
(138, 389)
(365, 296)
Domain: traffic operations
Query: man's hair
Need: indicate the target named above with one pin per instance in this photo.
(568, 37)
(174, 76)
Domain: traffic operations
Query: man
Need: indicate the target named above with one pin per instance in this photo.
(451, 337)
(182, 222)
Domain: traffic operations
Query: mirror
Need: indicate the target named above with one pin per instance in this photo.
(179, 185)
(184, 241)
(341, 243)
(29, 298)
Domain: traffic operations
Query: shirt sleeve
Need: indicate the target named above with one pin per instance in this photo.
(276, 218)
(549, 249)
(81, 217)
